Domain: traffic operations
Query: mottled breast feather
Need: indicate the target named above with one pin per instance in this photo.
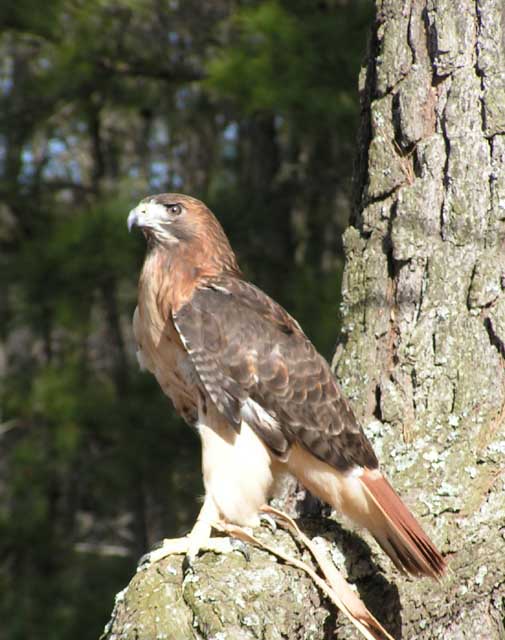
(245, 347)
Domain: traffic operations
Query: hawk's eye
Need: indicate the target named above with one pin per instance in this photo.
(175, 209)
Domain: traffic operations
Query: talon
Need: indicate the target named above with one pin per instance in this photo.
(188, 565)
(157, 545)
(241, 547)
(269, 522)
(163, 549)
(144, 561)
(160, 550)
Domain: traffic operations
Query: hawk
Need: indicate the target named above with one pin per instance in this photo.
(239, 369)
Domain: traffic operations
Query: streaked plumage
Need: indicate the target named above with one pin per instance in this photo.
(238, 366)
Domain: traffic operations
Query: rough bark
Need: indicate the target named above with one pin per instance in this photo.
(423, 296)
(229, 598)
(422, 353)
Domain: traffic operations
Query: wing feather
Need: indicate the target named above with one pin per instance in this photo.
(254, 361)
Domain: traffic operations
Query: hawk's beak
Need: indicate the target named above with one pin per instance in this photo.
(133, 219)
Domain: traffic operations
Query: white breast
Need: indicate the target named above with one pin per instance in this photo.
(237, 469)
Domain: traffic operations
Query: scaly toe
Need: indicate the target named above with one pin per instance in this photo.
(163, 549)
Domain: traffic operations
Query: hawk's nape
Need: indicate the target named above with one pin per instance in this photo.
(239, 367)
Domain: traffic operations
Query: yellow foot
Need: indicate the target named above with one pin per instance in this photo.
(185, 546)
(199, 539)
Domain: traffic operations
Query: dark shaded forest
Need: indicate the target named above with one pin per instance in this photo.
(251, 106)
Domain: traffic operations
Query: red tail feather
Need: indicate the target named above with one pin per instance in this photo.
(400, 535)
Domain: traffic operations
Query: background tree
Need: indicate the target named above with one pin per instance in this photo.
(423, 337)
(101, 103)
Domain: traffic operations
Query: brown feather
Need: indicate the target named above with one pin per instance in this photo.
(245, 346)
(399, 533)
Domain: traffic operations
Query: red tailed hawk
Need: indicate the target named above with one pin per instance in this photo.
(240, 369)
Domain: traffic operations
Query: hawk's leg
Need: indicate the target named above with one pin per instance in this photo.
(198, 539)
(200, 533)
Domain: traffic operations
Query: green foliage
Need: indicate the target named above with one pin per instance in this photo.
(31, 17)
(284, 58)
(60, 269)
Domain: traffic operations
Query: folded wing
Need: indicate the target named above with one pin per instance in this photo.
(253, 359)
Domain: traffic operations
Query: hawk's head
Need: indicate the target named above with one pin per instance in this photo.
(169, 218)
(174, 220)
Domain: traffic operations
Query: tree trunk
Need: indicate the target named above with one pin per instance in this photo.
(423, 295)
(422, 356)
